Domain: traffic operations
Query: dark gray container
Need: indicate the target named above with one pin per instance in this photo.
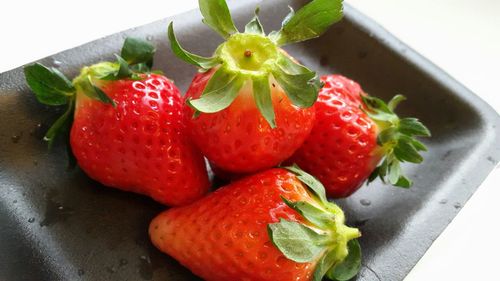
(60, 225)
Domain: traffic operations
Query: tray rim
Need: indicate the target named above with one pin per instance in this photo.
(487, 114)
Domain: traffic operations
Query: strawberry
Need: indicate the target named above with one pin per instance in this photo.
(275, 225)
(358, 137)
(126, 123)
(252, 102)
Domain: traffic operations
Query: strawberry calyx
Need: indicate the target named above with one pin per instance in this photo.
(51, 87)
(323, 238)
(254, 57)
(396, 139)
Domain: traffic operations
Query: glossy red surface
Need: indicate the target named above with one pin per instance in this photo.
(141, 145)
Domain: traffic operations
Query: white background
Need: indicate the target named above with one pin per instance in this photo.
(460, 36)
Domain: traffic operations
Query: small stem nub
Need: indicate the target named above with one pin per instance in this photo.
(248, 53)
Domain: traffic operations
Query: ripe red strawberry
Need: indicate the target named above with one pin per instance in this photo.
(353, 132)
(251, 102)
(238, 138)
(276, 225)
(127, 128)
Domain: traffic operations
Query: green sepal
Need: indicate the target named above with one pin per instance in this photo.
(395, 101)
(102, 96)
(374, 174)
(396, 139)
(314, 214)
(394, 172)
(378, 110)
(326, 262)
(413, 127)
(406, 151)
(255, 26)
(50, 86)
(202, 62)
(115, 73)
(321, 237)
(386, 135)
(141, 68)
(274, 34)
(62, 123)
(216, 15)
(300, 83)
(87, 87)
(350, 266)
(263, 100)
(252, 55)
(288, 17)
(220, 92)
(309, 22)
(138, 51)
(136, 57)
(123, 69)
(315, 185)
(297, 241)
(404, 182)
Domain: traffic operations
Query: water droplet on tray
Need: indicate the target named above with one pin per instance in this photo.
(123, 262)
(56, 63)
(31, 220)
(145, 268)
(443, 201)
(37, 131)
(15, 138)
(457, 205)
(365, 202)
(54, 211)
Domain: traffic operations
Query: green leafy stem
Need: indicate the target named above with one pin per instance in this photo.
(397, 139)
(323, 239)
(252, 57)
(53, 88)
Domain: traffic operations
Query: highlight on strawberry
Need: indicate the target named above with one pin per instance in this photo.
(274, 225)
(124, 124)
(251, 102)
(358, 137)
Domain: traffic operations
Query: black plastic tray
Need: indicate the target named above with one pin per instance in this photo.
(60, 225)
